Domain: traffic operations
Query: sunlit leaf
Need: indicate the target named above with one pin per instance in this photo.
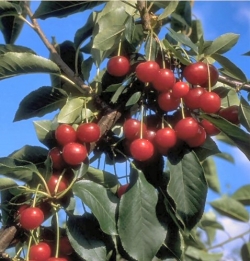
(226, 156)
(242, 195)
(168, 10)
(244, 113)
(133, 99)
(7, 183)
(5, 48)
(197, 254)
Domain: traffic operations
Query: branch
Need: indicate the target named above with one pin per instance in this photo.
(234, 83)
(145, 16)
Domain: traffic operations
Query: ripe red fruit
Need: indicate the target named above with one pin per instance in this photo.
(22, 208)
(180, 89)
(57, 160)
(74, 153)
(196, 73)
(199, 139)
(192, 99)
(122, 189)
(210, 102)
(141, 149)
(31, 218)
(231, 114)
(214, 76)
(186, 128)
(118, 66)
(150, 135)
(64, 134)
(88, 132)
(210, 129)
(52, 183)
(132, 128)
(164, 80)
(167, 102)
(40, 252)
(65, 246)
(146, 71)
(165, 138)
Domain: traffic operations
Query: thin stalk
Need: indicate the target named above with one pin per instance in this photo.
(76, 62)
(70, 82)
(20, 17)
(34, 200)
(28, 248)
(141, 125)
(57, 233)
(182, 109)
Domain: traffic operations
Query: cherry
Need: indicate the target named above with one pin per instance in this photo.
(65, 134)
(163, 80)
(122, 189)
(167, 102)
(74, 153)
(192, 99)
(40, 252)
(186, 128)
(65, 246)
(210, 102)
(141, 149)
(231, 114)
(22, 208)
(31, 218)
(88, 132)
(196, 73)
(132, 128)
(210, 129)
(57, 160)
(198, 139)
(118, 66)
(52, 183)
(180, 89)
(165, 138)
(146, 71)
(150, 135)
(214, 76)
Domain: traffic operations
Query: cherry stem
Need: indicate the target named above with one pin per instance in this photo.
(141, 125)
(150, 45)
(120, 46)
(34, 200)
(162, 53)
(209, 78)
(182, 109)
(29, 245)
(59, 181)
(57, 233)
(85, 111)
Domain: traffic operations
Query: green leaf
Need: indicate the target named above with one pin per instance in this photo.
(117, 94)
(226, 156)
(245, 252)
(201, 255)
(5, 48)
(129, 29)
(230, 67)
(247, 53)
(101, 202)
(137, 220)
(197, 31)
(239, 137)
(187, 187)
(83, 235)
(222, 44)
(232, 98)
(244, 113)
(168, 10)
(60, 9)
(242, 195)
(86, 67)
(113, 87)
(133, 99)
(70, 111)
(13, 64)
(40, 102)
(8, 8)
(7, 183)
(151, 48)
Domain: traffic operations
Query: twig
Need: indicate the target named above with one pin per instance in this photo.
(145, 16)
(234, 83)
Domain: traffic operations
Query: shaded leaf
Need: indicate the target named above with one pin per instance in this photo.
(232, 98)
(245, 252)
(5, 48)
(101, 202)
(151, 48)
(7, 183)
(197, 31)
(242, 195)
(129, 29)
(231, 208)
(222, 91)
(247, 53)
(113, 87)
(9, 8)
(244, 113)
(86, 67)
(201, 255)
(138, 221)
(117, 94)
(168, 10)
(133, 99)
(40, 102)
(226, 156)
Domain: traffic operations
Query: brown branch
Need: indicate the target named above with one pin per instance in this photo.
(6, 237)
(145, 16)
(238, 85)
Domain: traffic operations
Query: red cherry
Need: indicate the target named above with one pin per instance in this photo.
(132, 128)
(40, 252)
(180, 89)
(65, 134)
(167, 102)
(52, 183)
(198, 139)
(65, 246)
(122, 189)
(210, 129)
(196, 73)
(146, 71)
(192, 99)
(210, 102)
(165, 138)
(150, 135)
(118, 66)
(214, 76)
(57, 259)
(74, 153)
(163, 80)
(141, 149)
(31, 218)
(88, 132)
(231, 114)
(57, 160)
(186, 128)
(22, 208)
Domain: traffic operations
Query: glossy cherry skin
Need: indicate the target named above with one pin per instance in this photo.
(210, 102)
(231, 114)
(180, 89)
(64, 134)
(151, 135)
(167, 102)
(40, 252)
(164, 80)
(52, 183)
(165, 138)
(186, 128)
(132, 128)
(74, 153)
(118, 66)
(210, 129)
(214, 76)
(65, 246)
(196, 73)
(88, 132)
(122, 189)
(147, 71)
(199, 139)
(192, 99)
(57, 160)
(141, 149)
(31, 218)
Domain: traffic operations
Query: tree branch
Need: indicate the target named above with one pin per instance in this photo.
(145, 16)
(234, 83)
